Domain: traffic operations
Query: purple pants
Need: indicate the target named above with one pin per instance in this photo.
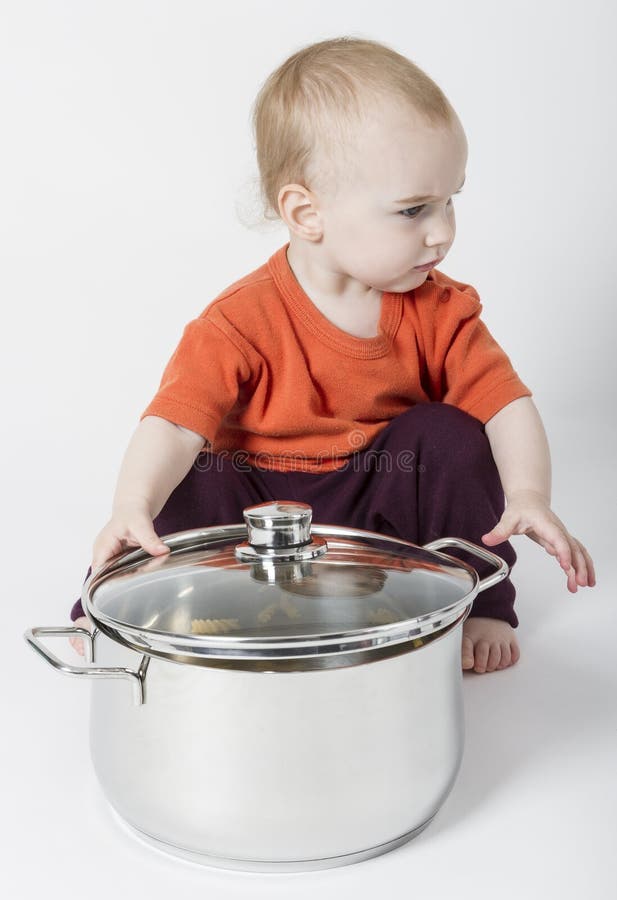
(429, 474)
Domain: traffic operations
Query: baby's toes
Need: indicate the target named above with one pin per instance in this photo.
(482, 650)
(515, 654)
(77, 644)
(494, 657)
(467, 653)
(506, 656)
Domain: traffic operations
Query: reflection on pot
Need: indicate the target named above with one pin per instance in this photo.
(308, 579)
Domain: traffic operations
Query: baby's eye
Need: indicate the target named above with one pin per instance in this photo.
(412, 212)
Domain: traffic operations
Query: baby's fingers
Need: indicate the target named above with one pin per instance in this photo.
(147, 538)
(571, 558)
(105, 549)
(136, 532)
(591, 572)
(554, 541)
(577, 569)
(552, 551)
(585, 574)
(561, 544)
(547, 546)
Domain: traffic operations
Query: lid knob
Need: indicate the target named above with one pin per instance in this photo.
(280, 523)
(280, 529)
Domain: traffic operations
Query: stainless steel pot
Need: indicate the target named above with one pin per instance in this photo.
(295, 697)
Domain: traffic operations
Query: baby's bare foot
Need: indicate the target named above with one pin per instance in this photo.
(488, 644)
(76, 642)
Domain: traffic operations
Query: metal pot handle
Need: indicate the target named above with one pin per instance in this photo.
(137, 678)
(503, 570)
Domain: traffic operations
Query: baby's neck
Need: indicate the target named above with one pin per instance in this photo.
(356, 314)
(321, 281)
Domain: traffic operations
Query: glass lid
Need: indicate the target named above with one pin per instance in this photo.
(277, 588)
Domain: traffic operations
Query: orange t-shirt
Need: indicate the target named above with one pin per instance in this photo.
(262, 370)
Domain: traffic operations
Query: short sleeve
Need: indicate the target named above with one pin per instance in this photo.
(476, 374)
(201, 381)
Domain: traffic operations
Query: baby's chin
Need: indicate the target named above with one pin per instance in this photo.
(408, 282)
(403, 283)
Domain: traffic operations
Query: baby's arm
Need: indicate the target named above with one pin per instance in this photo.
(157, 458)
(521, 452)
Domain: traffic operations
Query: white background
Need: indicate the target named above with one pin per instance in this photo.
(126, 166)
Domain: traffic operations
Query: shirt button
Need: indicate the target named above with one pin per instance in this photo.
(444, 296)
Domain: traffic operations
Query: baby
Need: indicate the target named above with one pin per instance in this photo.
(348, 371)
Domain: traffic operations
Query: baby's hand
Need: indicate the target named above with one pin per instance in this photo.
(129, 526)
(528, 513)
(76, 642)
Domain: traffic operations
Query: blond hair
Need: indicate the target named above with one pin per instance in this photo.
(311, 104)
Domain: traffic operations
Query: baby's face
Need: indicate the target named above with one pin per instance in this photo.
(373, 230)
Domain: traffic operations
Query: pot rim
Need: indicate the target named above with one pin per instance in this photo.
(172, 645)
